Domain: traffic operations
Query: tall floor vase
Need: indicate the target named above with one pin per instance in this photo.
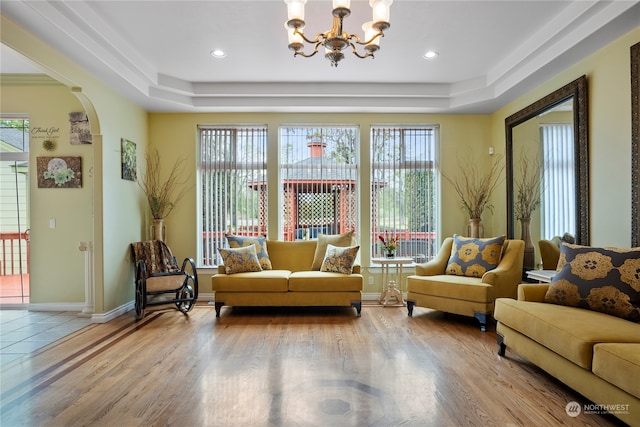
(529, 251)
(475, 228)
(157, 230)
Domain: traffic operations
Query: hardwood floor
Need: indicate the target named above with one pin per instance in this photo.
(283, 367)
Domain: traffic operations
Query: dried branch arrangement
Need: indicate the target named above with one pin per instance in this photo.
(161, 194)
(475, 187)
(528, 188)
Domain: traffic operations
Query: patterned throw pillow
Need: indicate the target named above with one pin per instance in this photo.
(260, 244)
(341, 240)
(599, 279)
(240, 260)
(473, 257)
(339, 259)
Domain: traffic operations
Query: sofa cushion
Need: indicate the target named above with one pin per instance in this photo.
(447, 286)
(618, 364)
(260, 244)
(568, 331)
(240, 260)
(343, 239)
(600, 279)
(339, 260)
(282, 254)
(261, 281)
(313, 281)
(473, 257)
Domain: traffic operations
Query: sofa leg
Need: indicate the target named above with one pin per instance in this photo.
(358, 306)
(502, 347)
(482, 318)
(410, 305)
(218, 306)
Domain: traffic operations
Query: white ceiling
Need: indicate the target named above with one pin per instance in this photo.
(157, 52)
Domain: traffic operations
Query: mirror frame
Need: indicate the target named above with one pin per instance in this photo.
(635, 145)
(578, 90)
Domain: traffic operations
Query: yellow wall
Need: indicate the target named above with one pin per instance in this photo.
(56, 262)
(175, 134)
(117, 207)
(608, 75)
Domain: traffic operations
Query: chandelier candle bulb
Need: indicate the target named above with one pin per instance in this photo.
(343, 4)
(381, 10)
(295, 39)
(370, 34)
(295, 9)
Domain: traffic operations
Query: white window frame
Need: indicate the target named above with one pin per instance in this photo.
(418, 249)
(324, 173)
(208, 245)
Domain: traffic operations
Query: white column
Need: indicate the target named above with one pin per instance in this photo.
(87, 248)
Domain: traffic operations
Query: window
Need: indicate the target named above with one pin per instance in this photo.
(403, 189)
(559, 195)
(319, 178)
(232, 179)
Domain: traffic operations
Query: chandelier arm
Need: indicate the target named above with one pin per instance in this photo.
(356, 53)
(299, 52)
(380, 34)
(318, 39)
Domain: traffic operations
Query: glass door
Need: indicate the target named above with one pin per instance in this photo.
(14, 210)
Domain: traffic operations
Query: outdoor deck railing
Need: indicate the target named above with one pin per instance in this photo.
(10, 247)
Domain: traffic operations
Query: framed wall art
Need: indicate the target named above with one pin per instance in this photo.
(79, 129)
(59, 172)
(128, 160)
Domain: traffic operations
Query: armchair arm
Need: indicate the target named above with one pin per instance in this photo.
(550, 253)
(532, 291)
(438, 264)
(506, 277)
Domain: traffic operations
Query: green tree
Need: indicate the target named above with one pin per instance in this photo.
(419, 202)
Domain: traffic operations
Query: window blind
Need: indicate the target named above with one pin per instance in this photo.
(233, 186)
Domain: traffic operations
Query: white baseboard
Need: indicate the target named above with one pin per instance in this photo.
(206, 297)
(112, 314)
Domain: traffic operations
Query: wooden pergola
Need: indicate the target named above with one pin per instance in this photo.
(319, 196)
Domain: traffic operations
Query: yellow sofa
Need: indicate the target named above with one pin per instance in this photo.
(291, 282)
(596, 354)
(468, 296)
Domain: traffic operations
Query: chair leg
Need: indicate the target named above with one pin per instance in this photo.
(358, 306)
(410, 305)
(482, 318)
(502, 347)
(218, 306)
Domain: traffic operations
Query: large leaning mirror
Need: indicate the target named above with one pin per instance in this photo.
(547, 169)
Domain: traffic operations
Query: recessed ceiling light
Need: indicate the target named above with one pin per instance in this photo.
(218, 53)
(430, 55)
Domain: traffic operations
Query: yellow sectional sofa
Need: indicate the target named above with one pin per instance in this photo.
(596, 354)
(290, 282)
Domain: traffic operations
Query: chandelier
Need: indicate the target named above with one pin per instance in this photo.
(336, 40)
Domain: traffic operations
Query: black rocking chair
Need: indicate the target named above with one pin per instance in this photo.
(158, 276)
